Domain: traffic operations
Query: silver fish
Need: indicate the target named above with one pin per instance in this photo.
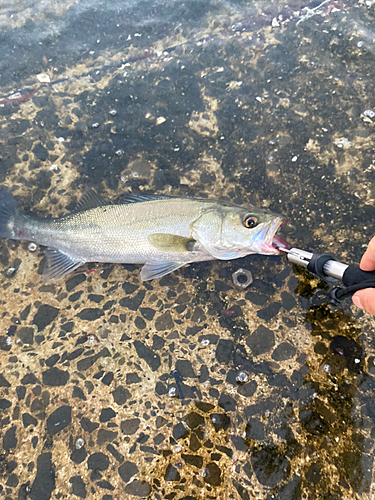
(160, 232)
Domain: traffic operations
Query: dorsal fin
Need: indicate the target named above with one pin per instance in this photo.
(138, 198)
(90, 200)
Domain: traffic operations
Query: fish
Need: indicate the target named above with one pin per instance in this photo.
(162, 233)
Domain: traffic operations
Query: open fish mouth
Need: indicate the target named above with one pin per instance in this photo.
(278, 241)
(274, 243)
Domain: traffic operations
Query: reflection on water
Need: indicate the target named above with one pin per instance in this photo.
(188, 386)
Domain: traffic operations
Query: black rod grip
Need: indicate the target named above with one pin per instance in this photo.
(354, 275)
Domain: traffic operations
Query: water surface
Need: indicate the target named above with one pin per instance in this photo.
(188, 387)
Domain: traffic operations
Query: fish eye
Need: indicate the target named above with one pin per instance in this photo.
(250, 221)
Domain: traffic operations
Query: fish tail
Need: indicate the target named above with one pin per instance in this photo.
(8, 214)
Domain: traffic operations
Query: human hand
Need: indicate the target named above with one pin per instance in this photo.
(365, 299)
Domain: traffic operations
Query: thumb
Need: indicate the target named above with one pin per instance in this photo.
(365, 299)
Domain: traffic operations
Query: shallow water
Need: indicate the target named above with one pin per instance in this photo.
(188, 387)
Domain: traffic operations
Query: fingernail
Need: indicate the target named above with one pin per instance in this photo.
(357, 301)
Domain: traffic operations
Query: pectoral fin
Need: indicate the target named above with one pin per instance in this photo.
(153, 270)
(171, 242)
(59, 264)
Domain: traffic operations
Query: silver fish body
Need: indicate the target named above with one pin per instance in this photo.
(161, 233)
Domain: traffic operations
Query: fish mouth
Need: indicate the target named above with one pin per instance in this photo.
(274, 243)
(278, 241)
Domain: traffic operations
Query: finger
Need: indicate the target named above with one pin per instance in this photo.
(365, 299)
(368, 259)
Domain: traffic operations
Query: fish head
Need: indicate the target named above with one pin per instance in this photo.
(234, 232)
(252, 231)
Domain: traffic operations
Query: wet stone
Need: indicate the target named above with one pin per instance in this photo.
(157, 342)
(55, 377)
(29, 378)
(74, 281)
(120, 395)
(313, 475)
(205, 407)
(78, 486)
(98, 461)
(78, 456)
(87, 425)
(180, 431)
(283, 352)
(164, 322)
(4, 345)
(129, 427)
(269, 312)
(320, 348)
(12, 481)
(254, 430)
(193, 420)
(224, 351)
(132, 378)
(227, 402)
(288, 301)
(270, 466)
(9, 439)
(194, 444)
(144, 352)
(160, 389)
(4, 404)
(26, 335)
(40, 152)
(95, 297)
(212, 474)
(195, 460)
(28, 419)
(140, 323)
(106, 414)
(86, 363)
(52, 360)
(138, 488)
(45, 315)
(106, 485)
(44, 482)
(171, 474)
(21, 392)
(184, 366)
(129, 288)
(59, 419)
(256, 298)
(261, 341)
(3, 381)
(133, 303)
(78, 393)
(90, 314)
(105, 436)
(220, 421)
(247, 390)
(127, 470)
(160, 422)
(147, 313)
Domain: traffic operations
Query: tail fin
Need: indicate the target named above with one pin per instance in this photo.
(8, 213)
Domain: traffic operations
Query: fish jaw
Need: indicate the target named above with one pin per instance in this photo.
(270, 242)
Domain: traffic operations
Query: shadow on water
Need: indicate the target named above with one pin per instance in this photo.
(188, 387)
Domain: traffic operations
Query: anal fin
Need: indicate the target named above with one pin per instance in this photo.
(154, 270)
(59, 264)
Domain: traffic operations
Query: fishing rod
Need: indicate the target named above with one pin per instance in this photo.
(330, 269)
